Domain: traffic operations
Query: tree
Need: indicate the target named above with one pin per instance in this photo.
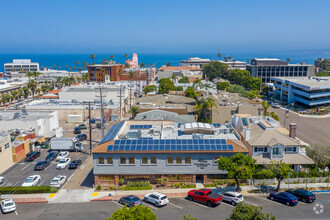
(134, 110)
(142, 65)
(275, 116)
(179, 88)
(166, 85)
(203, 107)
(191, 93)
(266, 90)
(112, 57)
(239, 167)
(36, 74)
(215, 69)
(26, 91)
(173, 77)
(219, 55)
(150, 88)
(280, 171)
(126, 56)
(127, 66)
(92, 56)
(252, 94)
(138, 212)
(265, 106)
(32, 85)
(222, 85)
(168, 64)
(85, 77)
(249, 212)
(236, 89)
(184, 79)
(247, 61)
(288, 60)
(29, 74)
(319, 154)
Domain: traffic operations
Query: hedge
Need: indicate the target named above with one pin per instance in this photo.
(138, 185)
(189, 186)
(138, 188)
(27, 190)
(310, 174)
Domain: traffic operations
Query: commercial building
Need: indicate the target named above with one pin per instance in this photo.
(179, 71)
(265, 69)
(9, 85)
(195, 61)
(268, 141)
(234, 64)
(321, 64)
(134, 62)
(147, 150)
(160, 115)
(105, 72)
(43, 123)
(18, 64)
(310, 91)
(6, 155)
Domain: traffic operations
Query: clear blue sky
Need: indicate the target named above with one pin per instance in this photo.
(180, 26)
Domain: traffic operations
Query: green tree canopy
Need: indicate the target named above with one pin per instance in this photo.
(320, 154)
(239, 167)
(134, 110)
(236, 89)
(184, 79)
(203, 108)
(249, 212)
(279, 170)
(222, 85)
(150, 88)
(168, 64)
(190, 92)
(137, 212)
(166, 85)
(215, 69)
(179, 88)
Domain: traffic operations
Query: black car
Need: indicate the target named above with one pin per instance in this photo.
(77, 130)
(52, 155)
(32, 156)
(303, 195)
(42, 165)
(81, 137)
(74, 164)
(99, 125)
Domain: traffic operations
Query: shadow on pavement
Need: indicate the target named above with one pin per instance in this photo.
(89, 180)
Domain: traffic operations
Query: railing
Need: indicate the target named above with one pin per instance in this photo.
(280, 156)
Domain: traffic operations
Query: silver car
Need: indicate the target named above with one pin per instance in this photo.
(232, 197)
(156, 198)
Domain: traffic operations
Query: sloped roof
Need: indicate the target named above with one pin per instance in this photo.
(287, 158)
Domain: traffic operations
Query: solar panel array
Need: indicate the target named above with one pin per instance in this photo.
(245, 122)
(216, 125)
(171, 145)
(112, 132)
(140, 126)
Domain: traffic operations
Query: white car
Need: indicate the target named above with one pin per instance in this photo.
(2, 179)
(7, 205)
(32, 180)
(233, 197)
(63, 163)
(156, 198)
(58, 181)
(62, 155)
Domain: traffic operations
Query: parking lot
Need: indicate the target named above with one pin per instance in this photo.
(176, 209)
(16, 175)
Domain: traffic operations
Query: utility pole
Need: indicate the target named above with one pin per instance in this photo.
(101, 111)
(90, 125)
(120, 108)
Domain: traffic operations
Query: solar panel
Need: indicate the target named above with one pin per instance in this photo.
(127, 148)
(223, 141)
(224, 147)
(140, 126)
(110, 148)
(245, 122)
(216, 125)
(112, 132)
(138, 148)
(230, 147)
(161, 147)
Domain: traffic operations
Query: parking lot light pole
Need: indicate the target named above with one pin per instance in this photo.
(90, 129)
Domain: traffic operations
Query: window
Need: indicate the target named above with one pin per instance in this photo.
(101, 160)
(153, 160)
(260, 149)
(291, 149)
(6, 146)
(109, 160)
(187, 160)
(131, 160)
(144, 160)
(170, 160)
(179, 160)
(123, 160)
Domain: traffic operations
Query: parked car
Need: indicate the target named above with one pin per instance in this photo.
(303, 195)
(7, 205)
(284, 197)
(2, 179)
(276, 105)
(61, 155)
(92, 120)
(44, 145)
(81, 137)
(63, 163)
(41, 165)
(99, 125)
(205, 196)
(74, 164)
(52, 155)
(130, 201)
(77, 130)
(233, 197)
(32, 156)
(83, 126)
(32, 180)
(58, 181)
(156, 198)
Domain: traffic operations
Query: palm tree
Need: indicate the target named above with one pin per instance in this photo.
(14, 94)
(219, 55)
(59, 67)
(134, 110)
(197, 82)
(85, 77)
(203, 107)
(77, 62)
(29, 74)
(59, 82)
(126, 55)
(54, 66)
(36, 74)
(248, 61)
(288, 60)
(21, 70)
(173, 77)
(32, 86)
(142, 65)
(92, 56)
(131, 75)
(74, 67)
(103, 74)
(84, 63)
(38, 90)
(66, 66)
(112, 57)
(104, 59)
(42, 67)
(168, 64)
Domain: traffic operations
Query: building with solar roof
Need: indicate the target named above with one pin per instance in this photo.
(148, 150)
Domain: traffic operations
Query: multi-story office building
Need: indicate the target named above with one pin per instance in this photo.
(266, 68)
(195, 61)
(310, 91)
(234, 64)
(25, 64)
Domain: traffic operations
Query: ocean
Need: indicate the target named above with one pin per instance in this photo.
(156, 60)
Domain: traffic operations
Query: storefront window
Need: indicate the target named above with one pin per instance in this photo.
(153, 160)
(109, 160)
(123, 160)
(101, 160)
(144, 160)
(170, 160)
(187, 160)
(131, 160)
(179, 160)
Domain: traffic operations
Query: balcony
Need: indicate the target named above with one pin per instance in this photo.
(277, 156)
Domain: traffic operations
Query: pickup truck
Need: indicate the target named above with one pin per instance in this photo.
(205, 196)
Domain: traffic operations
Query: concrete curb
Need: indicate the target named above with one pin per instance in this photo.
(30, 200)
(141, 196)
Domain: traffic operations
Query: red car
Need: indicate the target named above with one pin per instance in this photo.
(205, 196)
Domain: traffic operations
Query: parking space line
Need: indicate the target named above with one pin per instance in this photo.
(195, 203)
(16, 183)
(117, 203)
(320, 200)
(325, 194)
(251, 203)
(16, 212)
(175, 205)
(150, 206)
(269, 200)
(25, 167)
(41, 183)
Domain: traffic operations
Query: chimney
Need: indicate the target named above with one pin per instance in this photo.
(292, 132)
(247, 133)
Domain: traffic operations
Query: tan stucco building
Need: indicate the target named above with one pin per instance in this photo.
(6, 158)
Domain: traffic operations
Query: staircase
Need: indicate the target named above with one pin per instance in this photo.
(199, 185)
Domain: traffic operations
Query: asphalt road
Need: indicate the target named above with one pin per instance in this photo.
(176, 209)
(310, 130)
(16, 175)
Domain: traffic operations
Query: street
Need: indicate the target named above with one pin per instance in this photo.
(176, 209)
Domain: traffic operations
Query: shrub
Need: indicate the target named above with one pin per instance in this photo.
(189, 186)
(165, 179)
(231, 183)
(138, 185)
(121, 181)
(112, 187)
(27, 190)
(98, 187)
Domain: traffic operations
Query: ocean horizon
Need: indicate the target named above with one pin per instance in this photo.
(157, 60)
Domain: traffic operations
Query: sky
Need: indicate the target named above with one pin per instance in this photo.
(180, 26)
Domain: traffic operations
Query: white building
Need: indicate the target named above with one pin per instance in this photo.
(18, 64)
(44, 123)
(195, 61)
(234, 64)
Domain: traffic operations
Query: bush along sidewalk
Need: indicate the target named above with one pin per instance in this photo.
(139, 185)
(27, 190)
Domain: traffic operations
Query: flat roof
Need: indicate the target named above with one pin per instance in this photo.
(311, 83)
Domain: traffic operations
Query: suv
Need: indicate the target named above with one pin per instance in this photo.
(233, 197)
(52, 155)
(77, 130)
(32, 156)
(156, 198)
(276, 105)
(99, 125)
(41, 165)
(81, 137)
(61, 155)
(83, 126)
